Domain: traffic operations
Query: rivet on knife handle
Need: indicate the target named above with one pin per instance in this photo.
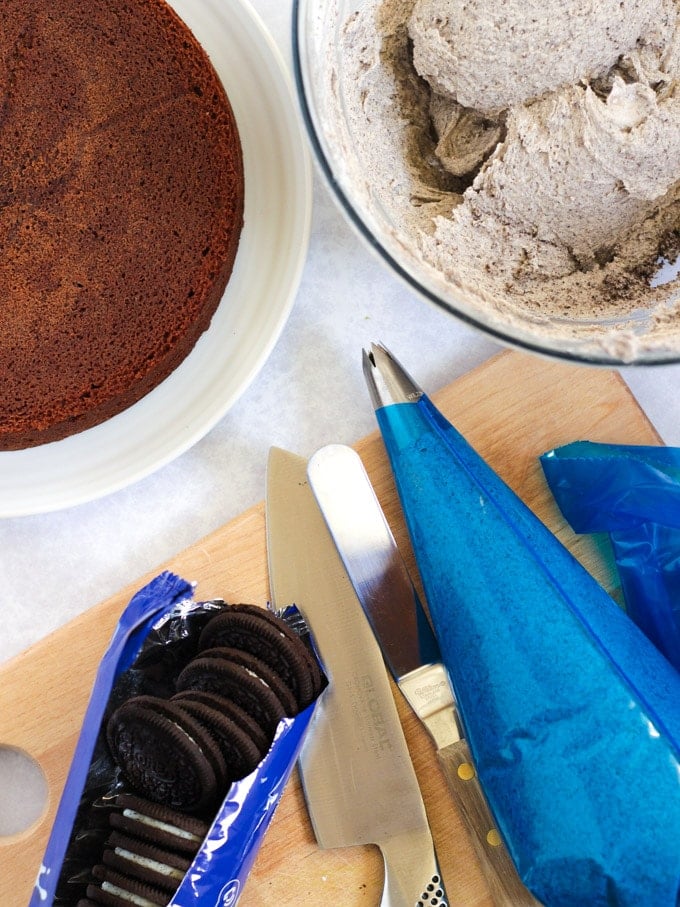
(382, 583)
(505, 885)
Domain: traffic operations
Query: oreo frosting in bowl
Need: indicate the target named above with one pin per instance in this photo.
(516, 163)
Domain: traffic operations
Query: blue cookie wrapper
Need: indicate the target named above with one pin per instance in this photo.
(221, 867)
(632, 493)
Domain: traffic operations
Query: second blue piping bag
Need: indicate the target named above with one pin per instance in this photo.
(631, 492)
(572, 716)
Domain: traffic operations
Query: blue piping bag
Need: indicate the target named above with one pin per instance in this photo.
(633, 493)
(571, 714)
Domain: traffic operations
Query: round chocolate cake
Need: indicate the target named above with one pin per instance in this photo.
(121, 206)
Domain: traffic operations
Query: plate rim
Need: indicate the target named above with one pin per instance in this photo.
(95, 480)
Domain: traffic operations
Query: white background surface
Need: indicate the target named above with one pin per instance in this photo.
(311, 392)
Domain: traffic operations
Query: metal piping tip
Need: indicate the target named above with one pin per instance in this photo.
(387, 381)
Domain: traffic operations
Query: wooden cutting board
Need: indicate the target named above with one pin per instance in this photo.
(512, 409)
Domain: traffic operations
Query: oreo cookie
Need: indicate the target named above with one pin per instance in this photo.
(146, 855)
(115, 890)
(166, 755)
(236, 682)
(269, 638)
(260, 669)
(145, 862)
(138, 818)
(240, 754)
(232, 710)
(185, 754)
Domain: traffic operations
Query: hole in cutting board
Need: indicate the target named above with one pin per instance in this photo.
(23, 791)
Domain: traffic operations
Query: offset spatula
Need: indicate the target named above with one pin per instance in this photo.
(390, 602)
(357, 775)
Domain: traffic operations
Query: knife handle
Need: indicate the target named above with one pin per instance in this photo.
(501, 876)
(412, 875)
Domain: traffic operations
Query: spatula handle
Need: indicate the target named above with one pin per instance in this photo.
(501, 876)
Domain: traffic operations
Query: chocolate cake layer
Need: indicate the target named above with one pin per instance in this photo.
(121, 206)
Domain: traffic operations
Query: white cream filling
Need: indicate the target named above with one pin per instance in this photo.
(161, 826)
(126, 895)
(148, 863)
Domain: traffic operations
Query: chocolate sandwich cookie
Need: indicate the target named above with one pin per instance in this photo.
(232, 710)
(234, 681)
(240, 754)
(145, 862)
(261, 669)
(165, 754)
(116, 890)
(268, 637)
(159, 825)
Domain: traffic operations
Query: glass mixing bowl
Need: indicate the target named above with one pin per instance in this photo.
(324, 78)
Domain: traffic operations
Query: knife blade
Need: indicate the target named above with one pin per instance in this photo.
(381, 581)
(357, 776)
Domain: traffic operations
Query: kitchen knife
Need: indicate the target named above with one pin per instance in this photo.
(380, 578)
(357, 775)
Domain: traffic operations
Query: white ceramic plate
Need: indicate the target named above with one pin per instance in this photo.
(255, 306)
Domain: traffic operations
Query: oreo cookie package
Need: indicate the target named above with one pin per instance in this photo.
(195, 721)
